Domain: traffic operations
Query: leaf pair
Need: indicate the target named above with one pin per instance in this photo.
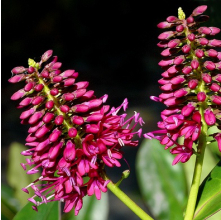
(164, 187)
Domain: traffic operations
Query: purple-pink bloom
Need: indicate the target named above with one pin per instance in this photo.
(184, 152)
(72, 135)
(190, 84)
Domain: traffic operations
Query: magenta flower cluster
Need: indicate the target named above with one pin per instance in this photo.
(190, 84)
(72, 136)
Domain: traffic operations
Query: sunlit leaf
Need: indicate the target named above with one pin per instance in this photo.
(16, 176)
(9, 205)
(49, 211)
(209, 197)
(209, 162)
(162, 185)
(92, 209)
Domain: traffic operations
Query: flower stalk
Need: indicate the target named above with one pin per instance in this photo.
(191, 204)
(128, 202)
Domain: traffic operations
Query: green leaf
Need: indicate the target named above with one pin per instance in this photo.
(16, 176)
(9, 205)
(92, 209)
(49, 211)
(209, 196)
(208, 164)
(162, 185)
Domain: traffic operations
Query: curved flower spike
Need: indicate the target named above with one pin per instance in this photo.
(191, 81)
(72, 133)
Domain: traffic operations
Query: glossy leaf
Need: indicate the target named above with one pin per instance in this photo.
(49, 211)
(92, 209)
(209, 197)
(16, 176)
(209, 162)
(162, 185)
(9, 205)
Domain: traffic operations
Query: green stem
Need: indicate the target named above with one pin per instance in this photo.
(197, 170)
(128, 202)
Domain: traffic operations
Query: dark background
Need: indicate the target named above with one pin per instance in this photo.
(112, 44)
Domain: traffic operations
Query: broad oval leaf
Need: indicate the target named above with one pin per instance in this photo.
(92, 209)
(15, 172)
(162, 185)
(9, 204)
(209, 196)
(49, 211)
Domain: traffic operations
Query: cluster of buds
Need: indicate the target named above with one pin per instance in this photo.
(72, 134)
(190, 84)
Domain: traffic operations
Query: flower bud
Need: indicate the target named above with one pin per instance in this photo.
(209, 117)
(201, 96)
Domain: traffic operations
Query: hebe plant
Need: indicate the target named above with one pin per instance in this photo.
(73, 135)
